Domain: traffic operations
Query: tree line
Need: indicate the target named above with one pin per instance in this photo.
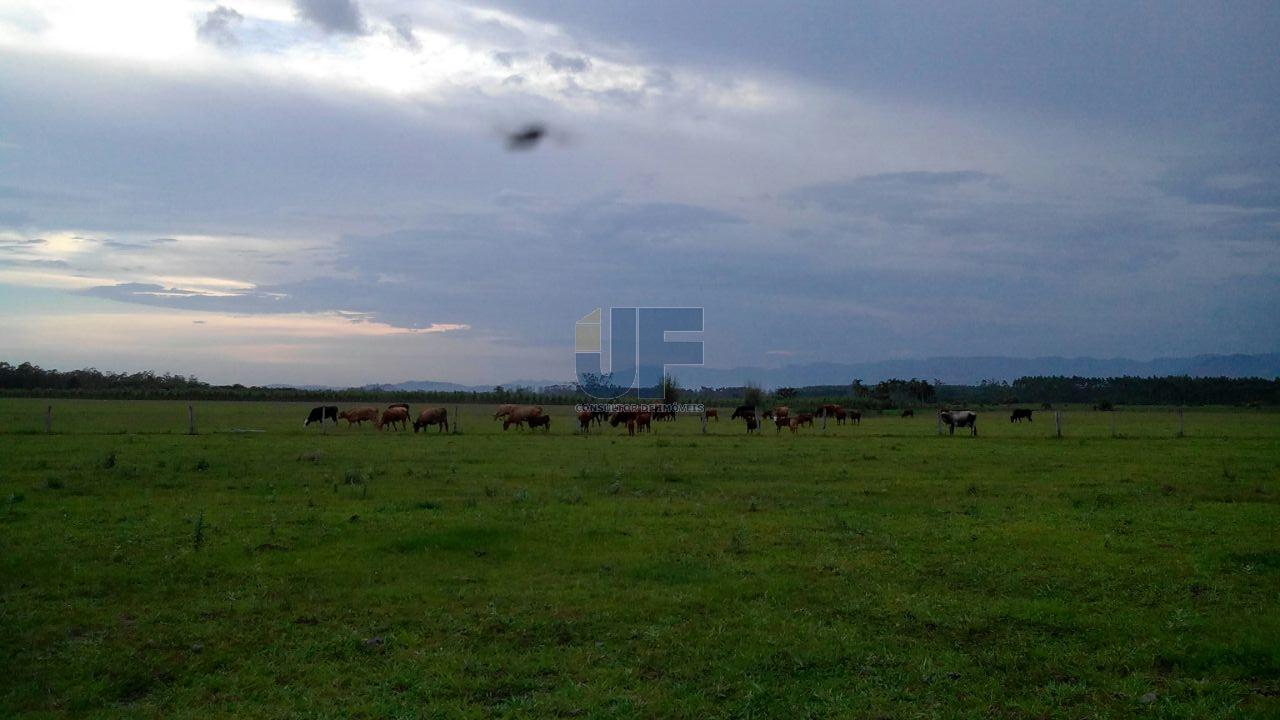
(28, 380)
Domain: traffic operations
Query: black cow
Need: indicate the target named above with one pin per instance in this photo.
(744, 412)
(322, 413)
(1019, 414)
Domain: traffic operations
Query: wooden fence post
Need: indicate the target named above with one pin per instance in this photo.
(191, 420)
(1113, 423)
(824, 422)
(1057, 421)
(938, 416)
(48, 419)
(457, 420)
(704, 422)
(1181, 426)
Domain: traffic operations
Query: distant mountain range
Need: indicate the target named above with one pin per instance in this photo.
(971, 370)
(950, 370)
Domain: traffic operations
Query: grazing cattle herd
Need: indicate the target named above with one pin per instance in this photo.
(396, 417)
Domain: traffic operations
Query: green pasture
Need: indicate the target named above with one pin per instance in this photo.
(260, 569)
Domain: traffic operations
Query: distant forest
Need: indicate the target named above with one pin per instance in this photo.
(27, 380)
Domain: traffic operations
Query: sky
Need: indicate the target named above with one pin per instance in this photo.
(321, 191)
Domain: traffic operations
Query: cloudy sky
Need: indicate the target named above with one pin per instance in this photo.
(319, 191)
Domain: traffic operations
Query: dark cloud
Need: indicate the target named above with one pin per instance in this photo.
(16, 245)
(333, 16)
(507, 58)
(1243, 182)
(189, 299)
(568, 63)
(900, 196)
(1097, 59)
(59, 264)
(659, 79)
(402, 31)
(126, 245)
(218, 26)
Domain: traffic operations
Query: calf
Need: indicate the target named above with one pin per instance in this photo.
(542, 421)
(1019, 414)
(584, 421)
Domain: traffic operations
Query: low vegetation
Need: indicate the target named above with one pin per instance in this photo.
(875, 570)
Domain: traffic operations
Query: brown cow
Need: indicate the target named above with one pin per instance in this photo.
(908, 413)
(711, 413)
(780, 411)
(624, 418)
(753, 425)
(394, 416)
(804, 419)
(854, 416)
(358, 416)
(832, 410)
(634, 421)
(503, 411)
(520, 415)
(779, 423)
(584, 421)
(543, 421)
(432, 416)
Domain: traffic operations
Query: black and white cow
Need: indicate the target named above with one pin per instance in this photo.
(960, 418)
(322, 413)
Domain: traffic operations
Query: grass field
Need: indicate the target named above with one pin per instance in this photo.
(868, 571)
